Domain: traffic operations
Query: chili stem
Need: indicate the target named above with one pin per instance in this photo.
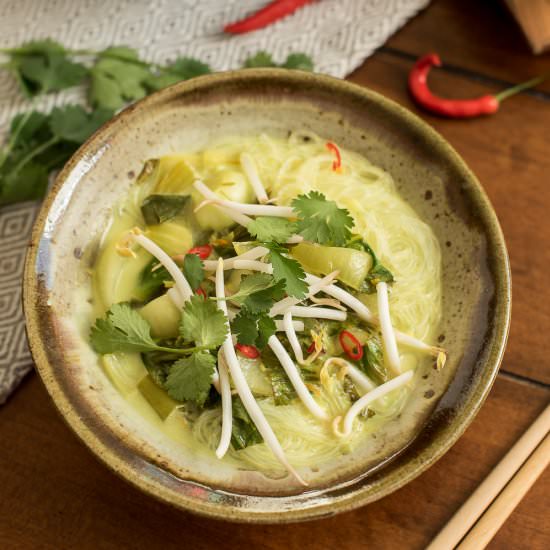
(520, 87)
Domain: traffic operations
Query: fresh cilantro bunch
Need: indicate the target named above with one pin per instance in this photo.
(39, 143)
(203, 328)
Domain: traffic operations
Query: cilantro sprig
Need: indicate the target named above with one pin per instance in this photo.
(203, 328)
(39, 144)
(258, 292)
(321, 220)
(287, 269)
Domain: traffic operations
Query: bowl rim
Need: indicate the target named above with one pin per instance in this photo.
(346, 499)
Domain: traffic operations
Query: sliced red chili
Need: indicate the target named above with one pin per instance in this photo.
(275, 10)
(202, 251)
(200, 292)
(311, 347)
(337, 163)
(248, 351)
(351, 346)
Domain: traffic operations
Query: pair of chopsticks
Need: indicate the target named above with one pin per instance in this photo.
(481, 516)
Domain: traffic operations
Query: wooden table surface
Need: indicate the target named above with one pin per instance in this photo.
(55, 494)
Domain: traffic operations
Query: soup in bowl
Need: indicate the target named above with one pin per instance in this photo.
(267, 295)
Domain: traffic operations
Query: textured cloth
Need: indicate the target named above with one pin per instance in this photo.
(337, 34)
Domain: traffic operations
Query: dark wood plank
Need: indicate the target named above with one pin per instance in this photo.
(56, 495)
(509, 153)
(479, 36)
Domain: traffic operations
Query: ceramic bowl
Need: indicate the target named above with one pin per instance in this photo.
(430, 176)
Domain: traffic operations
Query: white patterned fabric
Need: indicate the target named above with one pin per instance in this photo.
(337, 34)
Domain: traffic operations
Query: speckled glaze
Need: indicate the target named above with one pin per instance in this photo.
(430, 176)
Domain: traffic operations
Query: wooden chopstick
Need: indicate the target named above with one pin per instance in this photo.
(493, 518)
(466, 516)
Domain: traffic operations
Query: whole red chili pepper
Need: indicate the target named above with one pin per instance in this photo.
(337, 162)
(248, 351)
(456, 108)
(353, 351)
(269, 14)
(202, 251)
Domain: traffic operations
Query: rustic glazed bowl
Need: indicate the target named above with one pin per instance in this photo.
(430, 176)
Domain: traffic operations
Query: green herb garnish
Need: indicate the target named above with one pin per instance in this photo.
(203, 323)
(288, 270)
(190, 377)
(253, 329)
(193, 269)
(322, 221)
(40, 143)
(265, 228)
(162, 208)
(243, 433)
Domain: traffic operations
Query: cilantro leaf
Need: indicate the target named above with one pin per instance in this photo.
(287, 269)
(28, 183)
(299, 61)
(203, 323)
(181, 69)
(117, 77)
(161, 208)
(72, 123)
(122, 329)
(321, 220)
(193, 269)
(266, 329)
(245, 327)
(253, 329)
(258, 292)
(260, 59)
(27, 126)
(39, 143)
(190, 378)
(266, 228)
(43, 66)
